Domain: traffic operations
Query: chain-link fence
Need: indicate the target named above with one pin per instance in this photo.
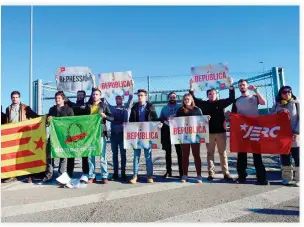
(158, 88)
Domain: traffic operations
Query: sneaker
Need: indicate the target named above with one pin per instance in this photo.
(184, 179)
(199, 179)
(150, 180)
(104, 181)
(210, 178)
(114, 177)
(133, 180)
(239, 181)
(123, 177)
(265, 182)
(297, 184)
(10, 180)
(29, 180)
(167, 174)
(92, 180)
(227, 177)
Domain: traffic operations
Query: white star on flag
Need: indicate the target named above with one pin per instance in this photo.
(243, 127)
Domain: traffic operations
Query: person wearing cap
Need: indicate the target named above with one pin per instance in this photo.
(288, 103)
(120, 114)
(169, 111)
(214, 107)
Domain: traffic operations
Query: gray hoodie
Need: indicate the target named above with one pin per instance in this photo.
(293, 108)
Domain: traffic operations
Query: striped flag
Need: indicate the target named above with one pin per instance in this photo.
(23, 148)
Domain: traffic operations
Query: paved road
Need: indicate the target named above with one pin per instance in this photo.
(164, 201)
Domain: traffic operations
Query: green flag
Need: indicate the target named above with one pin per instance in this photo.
(78, 136)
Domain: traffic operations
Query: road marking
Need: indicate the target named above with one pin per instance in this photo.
(83, 200)
(238, 208)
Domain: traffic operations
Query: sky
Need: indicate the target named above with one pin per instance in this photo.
(154, 41)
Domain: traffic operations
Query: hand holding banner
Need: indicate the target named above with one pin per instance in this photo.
(73, 79)
(117, 83)
(142, 135)
(270, 134)
(188, 130)
(77, 136)
(210, 77)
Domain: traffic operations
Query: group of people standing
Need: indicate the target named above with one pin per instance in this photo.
(144, 111)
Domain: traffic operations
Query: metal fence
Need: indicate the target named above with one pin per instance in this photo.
(158, 88)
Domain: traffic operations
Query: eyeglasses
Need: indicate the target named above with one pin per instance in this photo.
(286, 91)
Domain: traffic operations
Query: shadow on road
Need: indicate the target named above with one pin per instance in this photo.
(275, 211)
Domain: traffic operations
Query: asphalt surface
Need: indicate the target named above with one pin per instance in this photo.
(166, 200)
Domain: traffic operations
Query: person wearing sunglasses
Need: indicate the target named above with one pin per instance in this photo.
(288, 103)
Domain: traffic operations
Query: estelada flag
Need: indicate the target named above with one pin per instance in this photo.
(270, 134)
(23, 148)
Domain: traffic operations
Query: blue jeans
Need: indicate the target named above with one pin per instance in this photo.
(148, 157)
(103, 161)
(117, 140)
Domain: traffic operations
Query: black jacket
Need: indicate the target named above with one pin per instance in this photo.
(78, 107)
(194, 112)
(215, 110)
(64, 111)
(103, 108)
(3, 118)
(151, 114)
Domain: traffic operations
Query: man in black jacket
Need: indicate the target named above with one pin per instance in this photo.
(79, 108)
(217, 129)
(59, 110)
(97, 105)
(141, 112)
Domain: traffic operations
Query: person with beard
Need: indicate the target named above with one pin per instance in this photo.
(167, 112)
(97, 105)
(215, 107)
(79, 109)
(247, 105)
(120, 114)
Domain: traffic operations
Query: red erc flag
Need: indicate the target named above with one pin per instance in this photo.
(270, 134)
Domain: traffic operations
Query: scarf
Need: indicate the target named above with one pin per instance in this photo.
(284, 102)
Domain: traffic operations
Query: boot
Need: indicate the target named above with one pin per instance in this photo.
(287, 174)
(297, 176)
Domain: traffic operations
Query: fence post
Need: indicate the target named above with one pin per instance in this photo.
(281, 76)
(39, 97)
(276, 80)
(148, 88)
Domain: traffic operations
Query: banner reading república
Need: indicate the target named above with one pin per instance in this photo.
(73, 79)
(188, 130)
(116, 83)
(77, 136)
(210, 77)
(142, 135)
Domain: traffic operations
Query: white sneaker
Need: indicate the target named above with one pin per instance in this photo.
(184, 179)
(199, 179)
